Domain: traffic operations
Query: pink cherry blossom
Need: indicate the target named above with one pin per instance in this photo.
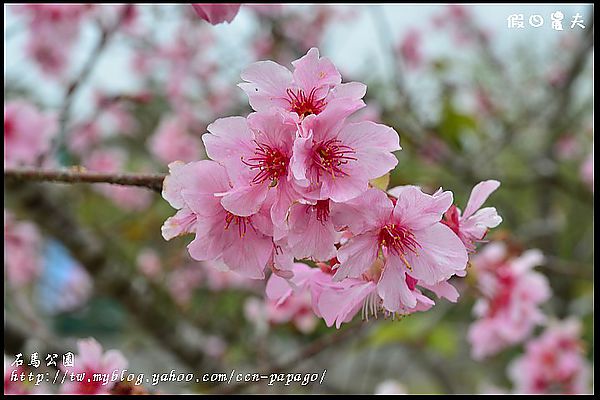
(553, 363)
(311, 233)
(407, 235)
(314, 86)
(90, 360)
(256, 153)
(53, 31)
(587, 171)
(195, 190)
(148, 263)
(216, 13)
(334, 160)
(472, 226)
(339, 302)
(22, 251)
(508, 310)
(410, 49)
(173, 142)
(28, 133)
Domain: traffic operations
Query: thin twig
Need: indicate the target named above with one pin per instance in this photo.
(84, 74)
(307, 352)
(150, 181)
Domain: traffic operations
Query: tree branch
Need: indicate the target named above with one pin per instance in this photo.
(149, 181)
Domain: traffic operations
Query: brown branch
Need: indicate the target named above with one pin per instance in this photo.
(149, 181)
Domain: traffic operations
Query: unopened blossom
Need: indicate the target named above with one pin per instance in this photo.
(512, 292)
(172, 141)
(314, 86)
(256, 153)
(216, 13)
(408, 237)
(472, 225)
(195, 190)
(22, 251)
(334, 160)
(89, 360)
(553, 363)
(28, 133)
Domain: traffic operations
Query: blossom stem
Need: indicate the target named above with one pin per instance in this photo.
(150, 181)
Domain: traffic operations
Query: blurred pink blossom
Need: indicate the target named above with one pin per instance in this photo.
(90, 360)
(216, 13)
(28, 133)
(148, 263)
(553, 363)
(508, 310)
(22, 251)
(587, 171)
(172, 141)
(409, 49)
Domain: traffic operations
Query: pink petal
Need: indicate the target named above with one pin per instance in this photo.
(416, 210)
(357, 256)
(309, 237)
(368, 211)
(216, 13)
(245, 200)
(210, 239)
(249, 255)
(479, 195)
(314, 72)
(266, 85)
(181, 223)
(392, 287)
(440, 256)
(229, 140)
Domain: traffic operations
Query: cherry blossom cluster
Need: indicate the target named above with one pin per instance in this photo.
(509, 309)
(553, 363)
(510, 295)
(292, 181)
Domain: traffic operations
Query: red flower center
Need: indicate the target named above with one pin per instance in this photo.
(330, 156)
(451, 219)
(398, 240)
(503, 295)
(303, 104)
(322, 208)
(271, 163)
(241, 223)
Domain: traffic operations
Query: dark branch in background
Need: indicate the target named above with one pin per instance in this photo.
(149, 181)
(147, 306)
(65, 110)
(312, 349)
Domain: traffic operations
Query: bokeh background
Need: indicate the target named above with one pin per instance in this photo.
(135, 87)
